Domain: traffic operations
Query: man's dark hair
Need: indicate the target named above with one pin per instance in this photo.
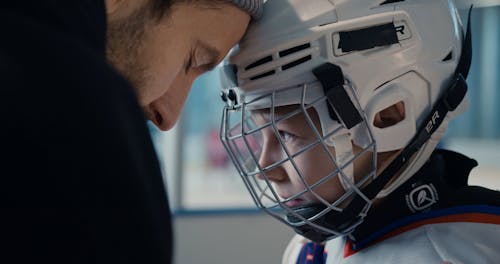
(161, 8)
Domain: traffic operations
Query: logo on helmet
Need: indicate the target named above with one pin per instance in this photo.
(432, 122)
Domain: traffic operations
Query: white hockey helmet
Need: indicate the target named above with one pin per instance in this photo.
(347, 59)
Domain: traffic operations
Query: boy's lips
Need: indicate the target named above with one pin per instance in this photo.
(295, 202)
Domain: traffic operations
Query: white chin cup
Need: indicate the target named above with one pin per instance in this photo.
(342, 144)
(343, 156)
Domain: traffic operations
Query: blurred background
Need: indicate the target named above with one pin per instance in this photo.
(215, 220)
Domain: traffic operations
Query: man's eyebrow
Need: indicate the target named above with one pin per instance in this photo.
(212, 53)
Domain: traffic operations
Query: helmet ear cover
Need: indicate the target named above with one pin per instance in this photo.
(398, 135)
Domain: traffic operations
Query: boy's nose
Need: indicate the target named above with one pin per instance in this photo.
(268, 158)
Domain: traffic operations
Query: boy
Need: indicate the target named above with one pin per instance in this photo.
(338, 109)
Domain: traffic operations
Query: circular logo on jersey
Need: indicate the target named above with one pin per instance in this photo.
(422, 197)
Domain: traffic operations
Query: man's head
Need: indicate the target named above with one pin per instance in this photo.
(365, 78)
(162, 46)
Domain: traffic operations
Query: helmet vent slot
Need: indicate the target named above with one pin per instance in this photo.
(263, 75)
(259, 62)
(296, 62)
(391, 1)
(448, 57)
(294, 49)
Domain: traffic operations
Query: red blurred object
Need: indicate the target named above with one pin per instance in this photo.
(217, 156)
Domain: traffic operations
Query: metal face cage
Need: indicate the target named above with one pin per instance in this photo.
(247, 138)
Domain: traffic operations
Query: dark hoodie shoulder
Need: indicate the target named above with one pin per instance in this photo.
(79, 179)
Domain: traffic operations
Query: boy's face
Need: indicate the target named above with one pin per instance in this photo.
(162, 57)
(314, 164)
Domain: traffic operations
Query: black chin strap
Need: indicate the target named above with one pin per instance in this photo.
(344, 220)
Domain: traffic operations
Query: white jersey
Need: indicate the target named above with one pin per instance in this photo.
(441, 243)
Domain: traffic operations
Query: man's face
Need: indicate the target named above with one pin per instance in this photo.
(162, 57)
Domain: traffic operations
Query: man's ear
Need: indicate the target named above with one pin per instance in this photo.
(390, 115)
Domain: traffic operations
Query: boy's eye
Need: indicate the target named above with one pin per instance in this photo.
(286, 136)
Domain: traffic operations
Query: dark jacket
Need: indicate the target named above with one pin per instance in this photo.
(79, 178)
